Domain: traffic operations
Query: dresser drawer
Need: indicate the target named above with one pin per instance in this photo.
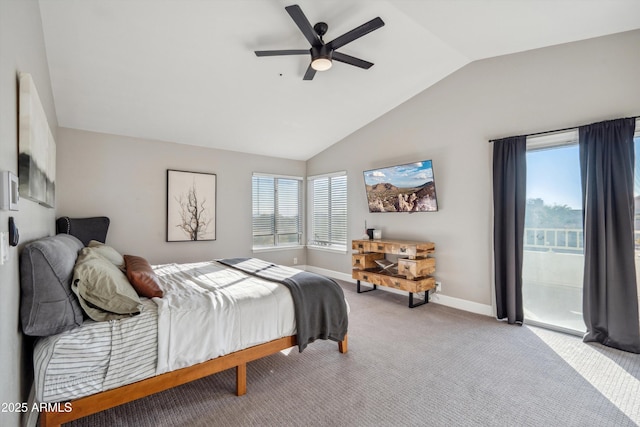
(409, 249)
(364, 261)
(414, 268)
(401, 249)
(408, 285)
(366, 276)
(360, 245)
(378, 246)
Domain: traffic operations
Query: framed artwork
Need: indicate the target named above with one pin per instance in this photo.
(36, 147)
(191, 206)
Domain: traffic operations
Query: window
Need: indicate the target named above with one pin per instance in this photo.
(277, 211)
(553, 258)
(328, 203)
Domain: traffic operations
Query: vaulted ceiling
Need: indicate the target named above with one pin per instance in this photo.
(185, 70)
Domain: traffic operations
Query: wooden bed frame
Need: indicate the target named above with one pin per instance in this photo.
(108, 399)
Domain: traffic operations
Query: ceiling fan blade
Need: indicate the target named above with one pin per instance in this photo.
(356, 33)
(282, 52)
(309, 74)
(305, 26)
(347, 59)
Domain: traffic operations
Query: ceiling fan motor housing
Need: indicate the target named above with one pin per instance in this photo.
(321, 52)
(321, 57)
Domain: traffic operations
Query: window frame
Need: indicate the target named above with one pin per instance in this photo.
(332, 245)
(277, 245)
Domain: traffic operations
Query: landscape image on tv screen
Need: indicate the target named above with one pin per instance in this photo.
(402, 188)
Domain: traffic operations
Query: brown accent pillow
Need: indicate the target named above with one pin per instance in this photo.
(142, 277)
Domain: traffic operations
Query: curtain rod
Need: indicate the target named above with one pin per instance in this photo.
(556, 130)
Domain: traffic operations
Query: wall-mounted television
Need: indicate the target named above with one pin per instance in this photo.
(402, 188)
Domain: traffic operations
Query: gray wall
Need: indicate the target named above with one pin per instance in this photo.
(451, 122)
(21, 50)
(125, 179)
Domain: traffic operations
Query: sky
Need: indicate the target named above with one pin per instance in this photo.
(409, 175)
(554, 175)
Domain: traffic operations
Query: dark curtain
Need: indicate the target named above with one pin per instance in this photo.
(509, 203)
(610, 300)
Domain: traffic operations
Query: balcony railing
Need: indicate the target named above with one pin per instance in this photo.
(564, 240)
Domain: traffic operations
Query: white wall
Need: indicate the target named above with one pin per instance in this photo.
(126, 180)
(451, 123)
(21, 50)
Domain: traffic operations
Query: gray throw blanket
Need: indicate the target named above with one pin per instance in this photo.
(320, 308)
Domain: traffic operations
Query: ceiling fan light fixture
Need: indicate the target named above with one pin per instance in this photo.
(321, 57)
(321, 64)
(322, 54)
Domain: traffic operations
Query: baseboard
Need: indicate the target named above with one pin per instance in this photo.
(463, 304)
(436, 298)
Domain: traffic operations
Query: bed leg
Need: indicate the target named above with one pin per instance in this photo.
(342, 345)
(241, 379)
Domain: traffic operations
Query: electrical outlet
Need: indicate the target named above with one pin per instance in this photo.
(295, 261)
(438, 287)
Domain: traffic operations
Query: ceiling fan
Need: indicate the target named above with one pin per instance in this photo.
(322, 54)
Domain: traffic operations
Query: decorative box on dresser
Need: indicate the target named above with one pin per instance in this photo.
(414, 267)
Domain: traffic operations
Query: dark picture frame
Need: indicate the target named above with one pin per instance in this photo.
(191, 206)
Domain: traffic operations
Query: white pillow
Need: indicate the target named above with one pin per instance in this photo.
(108, 252)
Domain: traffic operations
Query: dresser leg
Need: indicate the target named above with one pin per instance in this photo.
(426, 299)
(368, 290)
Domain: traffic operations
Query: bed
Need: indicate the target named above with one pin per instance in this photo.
(192, 320)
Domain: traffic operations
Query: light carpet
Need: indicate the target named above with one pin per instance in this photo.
(427, 366)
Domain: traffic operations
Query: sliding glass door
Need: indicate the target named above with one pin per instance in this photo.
(553, 241)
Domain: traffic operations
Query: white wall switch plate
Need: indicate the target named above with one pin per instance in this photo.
(9, 195)
(4, 247)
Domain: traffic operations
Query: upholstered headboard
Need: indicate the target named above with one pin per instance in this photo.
(85, 229)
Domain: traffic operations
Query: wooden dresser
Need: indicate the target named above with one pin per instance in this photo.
(412, 272)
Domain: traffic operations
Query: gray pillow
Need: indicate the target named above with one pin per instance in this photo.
(102, 288)
(47, 305)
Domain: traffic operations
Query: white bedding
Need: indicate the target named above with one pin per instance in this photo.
(208, 310)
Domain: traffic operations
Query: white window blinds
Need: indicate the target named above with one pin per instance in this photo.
(277, 211)
(328, 211)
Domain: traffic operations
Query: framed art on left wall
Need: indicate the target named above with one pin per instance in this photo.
(36, 147)
(191, 206)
